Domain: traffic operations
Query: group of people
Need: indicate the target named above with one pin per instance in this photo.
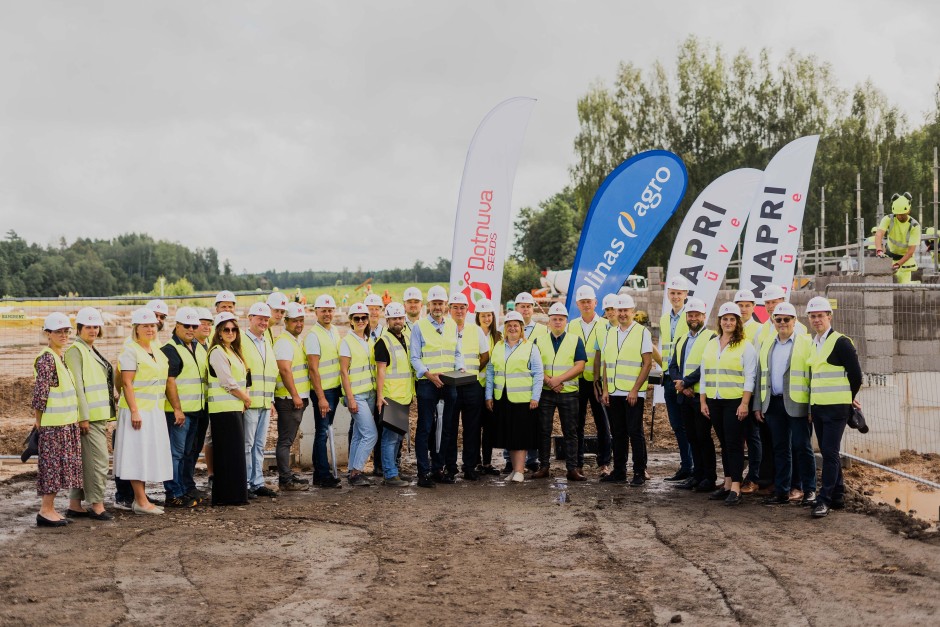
(209, 389)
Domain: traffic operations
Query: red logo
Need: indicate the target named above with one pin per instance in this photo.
(474, 291)
(797, 197)
(735, 222)
(723, 249)
(791, 229)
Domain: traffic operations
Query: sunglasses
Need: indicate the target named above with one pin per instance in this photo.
(229, 329)
(190, 326)
(783, 319)
(359, 318)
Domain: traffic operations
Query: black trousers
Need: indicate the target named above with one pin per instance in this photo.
(698, 429)
(830, 422)
(487, 433)
(626, 423)
(567, 405)
(467, 412)
(586, 397)
(731, 433)
(230, 485)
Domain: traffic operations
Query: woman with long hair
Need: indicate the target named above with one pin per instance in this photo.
(486, 320)
(357, 373)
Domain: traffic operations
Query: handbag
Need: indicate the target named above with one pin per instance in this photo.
(857, 421)
(32, 445)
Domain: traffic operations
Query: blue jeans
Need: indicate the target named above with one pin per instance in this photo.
(391, 440)
(364, 432)
(256, 435)
(678, 428)
(428, 395)
(321, 423)
(829, 422)
(181, 441)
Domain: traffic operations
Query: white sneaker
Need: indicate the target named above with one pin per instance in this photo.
(517, 477)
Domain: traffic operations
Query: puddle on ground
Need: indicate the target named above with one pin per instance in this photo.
(914, 498)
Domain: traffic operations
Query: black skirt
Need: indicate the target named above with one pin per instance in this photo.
(230, 477)
(516, 425)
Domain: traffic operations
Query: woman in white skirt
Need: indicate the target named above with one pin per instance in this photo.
(142, 447)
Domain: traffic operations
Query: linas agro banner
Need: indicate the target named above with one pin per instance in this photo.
(627, 212)
(482, 233)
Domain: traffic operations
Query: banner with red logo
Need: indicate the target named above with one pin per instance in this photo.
(482, 232)
(772, 239)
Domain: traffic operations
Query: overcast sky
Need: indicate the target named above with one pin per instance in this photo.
(297, 135)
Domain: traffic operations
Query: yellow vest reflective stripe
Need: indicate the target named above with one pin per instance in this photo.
(361, 365)
(470, 347)
(725, 373)
(149, 379)
(482, 376)
(694, 359)
(263, 371)
(667, 339)
(624, 363)
(599, 326)
(439, 353)
(221, 399)
(512, 374)
(399, 380)
(560, 362)
(190, 381)
(799, 368)
(62, 404)
(328, 366)
(829, 385)
(537, 331)
(298, 367)
(94, 383)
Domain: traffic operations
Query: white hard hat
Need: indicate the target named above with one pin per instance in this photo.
(89, 317)
(358, 308)
(585, 292)
(412, 293)
(818, 303)
(625, 301)
(458, 299)
(695, 304)
(56, 321)
(143, 316)
(204, 313)
(223, 317)
(514, 316)
(158, 306)
(558, 309)
(395, 310)
(729, 308)
(785, 309)
(677, 283)
(224, 296)
(609, 301)
(186, 315)
(373, 299)
(437, 293)
(276, 300)
(525, 297)
(260, 309)
(485, 305)
(294, 310)
(744, 296)
(324, 301)
(773, 292)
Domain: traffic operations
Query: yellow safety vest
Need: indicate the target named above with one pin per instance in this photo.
(899, 236)
(482, 376)
(470, 347)
(560, 362)
(149, 379)
(751, 329)
(537, 331)
(666, 339)
(623, 364)
(512, 373)
(94, 383)
(361, 365)
(798, 392)
(220, 399)
(62, 404)
(263, 371)
(298, 368)
(191, 380)
(598, 327)
(439, 353)
(328, 366)
(829, 385)
(695, 355)
(725, 373)
(399, 382)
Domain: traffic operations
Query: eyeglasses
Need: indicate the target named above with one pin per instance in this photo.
(359, 318)
(229, 329)
(190, 326)
(783, 319)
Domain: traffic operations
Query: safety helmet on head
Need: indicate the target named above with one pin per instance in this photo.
(625, 301)
(513, 316)
(744, 296)
(276, 300)
(729, 308)
(785, 309)
(458, 299)
(485, 305)
(818, 303)
(186, 315)
(695, 304)
(901, 203)
(395, 310)
(437, 293)
(294, 310)
(609, 301)
(91, 317)
(412, 293)
(585, 292)
(224, 296)
(260, 309)
(204, 313)
(677, 283)
(773, 292)
(158, 306)
(525, 298)
(324, 301)
(143, 316)
(225, 316)
(57, 320)
(558, 309)
(373, 299)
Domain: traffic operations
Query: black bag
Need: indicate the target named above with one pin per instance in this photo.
(857, 420)
(32, 445)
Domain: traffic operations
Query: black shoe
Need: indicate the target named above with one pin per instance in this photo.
(720, 494)
(614, 477)
(688, 484)
(821, 510)
(679, 476)
(705, 485)
(777, 499)
(252, 496)
(835, 504)
(471, 475)
(637, 481)
(425, 481)
(180, 501)
(328, 483)
(733, 498)
(447, 478)
(103, 516)
(532, 466)
(42, 521)
(71, 513)
(301, 480)
(809, 500)
(197, 494)
(508, 469)
(489, 470)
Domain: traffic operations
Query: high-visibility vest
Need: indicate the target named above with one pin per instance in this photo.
(263, 371)
(512, 373)
(829, 385)
(94, 383)
(439, 353)
(149, 378)
(798, 392)
(667, 341)
(725, 373)
(623, 363)
(751, 329)
(220, 399)
(298, 366)
(470, 347)
(190, 381)
(482, 376)
(599, 327)
(537, 331)
(694, 359)
(361, 365)
(62, 404)
(899, 236)
(768, 329)
(328, 366)
(399, 382)
(560, 362)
